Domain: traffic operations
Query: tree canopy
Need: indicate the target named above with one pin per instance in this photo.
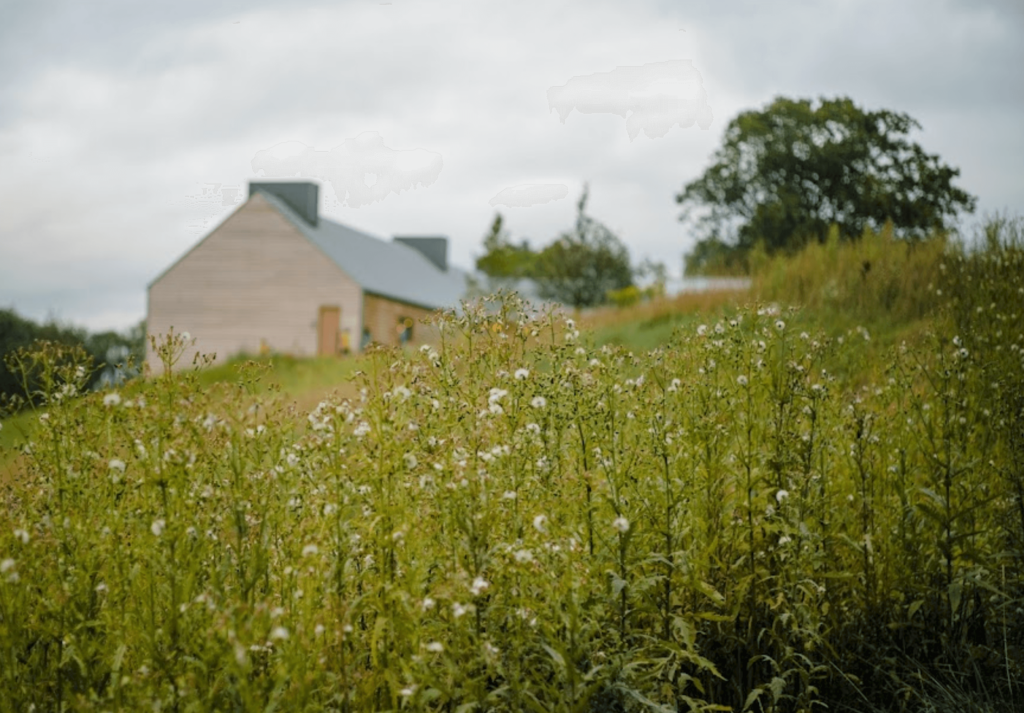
(579, 268)
(784, 174)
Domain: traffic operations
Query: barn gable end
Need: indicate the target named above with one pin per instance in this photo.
(255, 283)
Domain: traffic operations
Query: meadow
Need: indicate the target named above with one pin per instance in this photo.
(815, 500)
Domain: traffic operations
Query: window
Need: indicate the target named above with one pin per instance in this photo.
(404, 330)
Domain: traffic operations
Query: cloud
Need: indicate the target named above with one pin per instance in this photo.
(362, 170)
(652, 98)
(207, 206)
(528, 194)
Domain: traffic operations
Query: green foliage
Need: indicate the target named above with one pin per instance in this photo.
(502, 258)
(785, 173)
(517, 520)
(582, 266)
(112, 355)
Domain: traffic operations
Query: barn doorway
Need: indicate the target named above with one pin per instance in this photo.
(328, 331)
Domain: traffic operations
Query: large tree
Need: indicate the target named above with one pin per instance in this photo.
(786, 173)
(584, 264)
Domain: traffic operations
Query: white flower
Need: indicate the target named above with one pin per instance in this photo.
(410, 461)
(21, 535)
(319, 629)
(279, 633)
(407, 691)
(427, 604)
(112, 399)
(621, 524)
(741, 380)
(157, 528)
(784, 540)
(435, 647)
(522, 374)
(6, 565)
(116, 464)
(362, 429)
(539, 402)
(524, 556)
(540, 523)
(458, 609)
(702, 330)
(479, 586)
(496, 395)
(186, 337)
(780, 325)
(781, 495)
(310, 550)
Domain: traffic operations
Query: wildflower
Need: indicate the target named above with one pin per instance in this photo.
(702, 330)
(403, 392)
(784, 540)
(435, 647)
(781, 495)
(524, 556)
(407, 691)
(279, 633)
(157, 528)
(362, 429)
(533, 428)
(540, 523)
(479, 586)
(318, 630)
(674, 385)
(427, 604)
(410, 461)
(458, 609)
(509, 495)
(21, 535)
(6, 565)
(621, 524)
(741, 380)
(539, 402)
(310, 550)
(522, 374)
(112, 399)
(101, 588)
(780, 325)
(116, 464)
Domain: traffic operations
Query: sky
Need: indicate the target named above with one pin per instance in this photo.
(129, 130)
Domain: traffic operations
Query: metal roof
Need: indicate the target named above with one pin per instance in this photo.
(386, 269)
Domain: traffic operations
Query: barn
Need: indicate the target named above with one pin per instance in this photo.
(277, 277)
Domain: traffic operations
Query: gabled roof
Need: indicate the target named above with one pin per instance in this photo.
(387, 269)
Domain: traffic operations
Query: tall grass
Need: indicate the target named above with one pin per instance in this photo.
(520, 520)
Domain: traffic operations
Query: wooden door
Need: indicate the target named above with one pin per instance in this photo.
(328, 331)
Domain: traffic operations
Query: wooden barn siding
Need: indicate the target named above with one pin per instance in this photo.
(256, 277)
(380, 315)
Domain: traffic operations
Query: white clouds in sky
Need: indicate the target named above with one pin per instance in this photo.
(529, 194)
(653, 97)
(361, 170)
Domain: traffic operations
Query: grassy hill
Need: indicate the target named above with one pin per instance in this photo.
(807, 496)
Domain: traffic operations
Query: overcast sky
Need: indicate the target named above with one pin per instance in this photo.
(129, 129)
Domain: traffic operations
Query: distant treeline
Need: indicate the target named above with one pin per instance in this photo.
(115, 356)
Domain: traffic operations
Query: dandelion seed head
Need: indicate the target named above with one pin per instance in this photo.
(278, 633)
(116, 464)
(310, 550)
(7, 565)
(112, 399)
(620, 525)
(540, 523)
(479, 586)
(781, 495)
(538, 402)
(524, 556)
(435, 647)
(157, 528)
(522, 374)
(780, 325)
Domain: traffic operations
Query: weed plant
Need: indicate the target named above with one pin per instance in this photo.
(518, 520)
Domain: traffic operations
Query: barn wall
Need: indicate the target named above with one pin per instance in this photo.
(255, 282)
(381, 315)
